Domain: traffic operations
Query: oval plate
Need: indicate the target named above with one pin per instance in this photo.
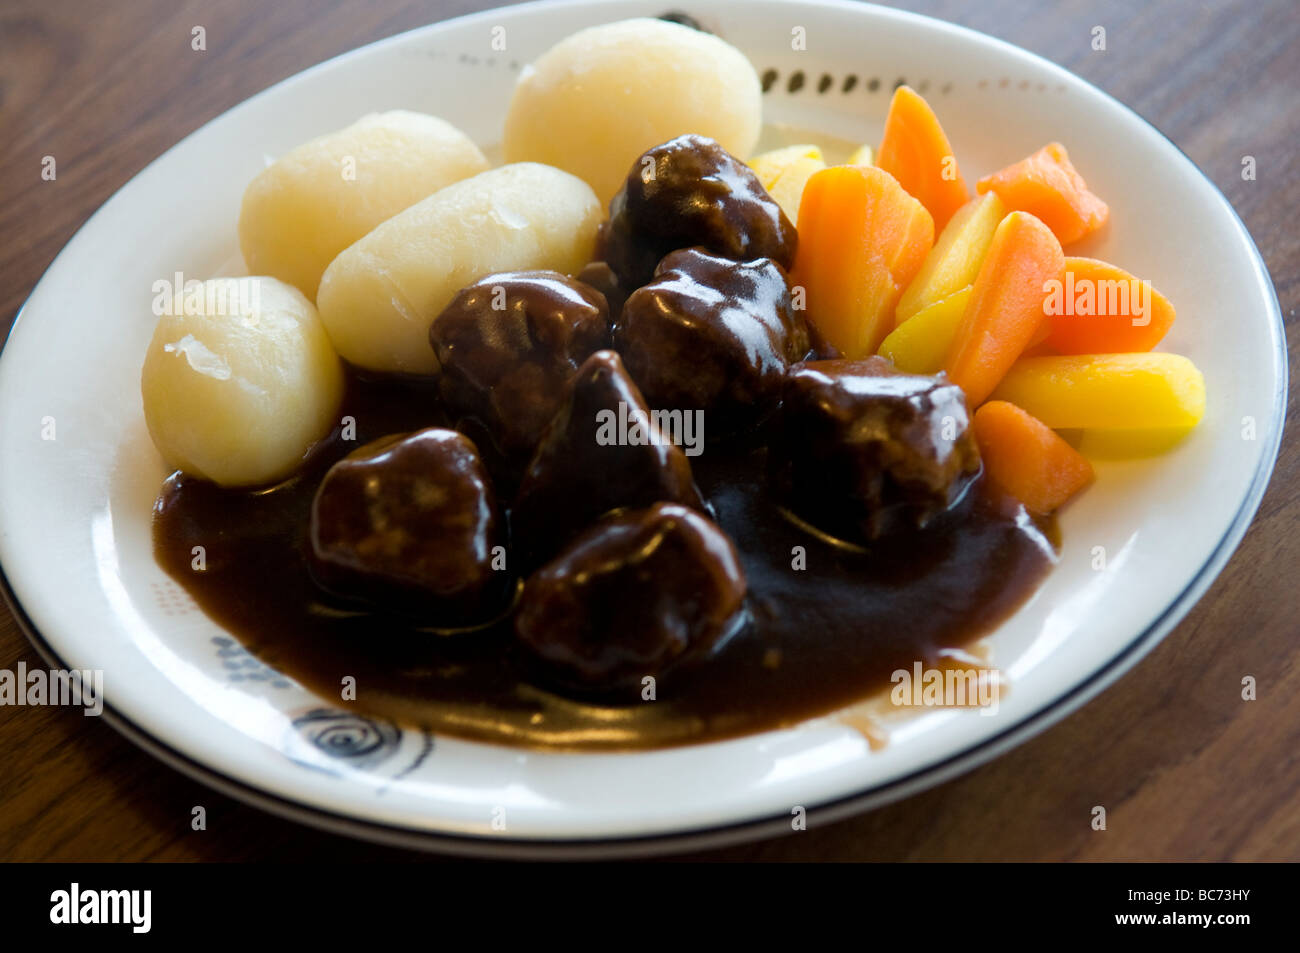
(75, 510)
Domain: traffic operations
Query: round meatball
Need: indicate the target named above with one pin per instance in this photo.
(509, 345)
(862, 450)
(603, 450)
(410, 524)
(713, 334)
(691, 191)
(632, 595)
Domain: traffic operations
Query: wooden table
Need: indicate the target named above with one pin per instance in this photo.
(1186, 770)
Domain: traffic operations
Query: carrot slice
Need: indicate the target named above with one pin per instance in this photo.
(861, 240)
(1005, 310)
(1102, 309)
(1046, 185)
(1027, 459)
(916, 152)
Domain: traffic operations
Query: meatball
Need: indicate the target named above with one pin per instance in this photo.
(862, 450)
(632, 595)
(712, 333)
(691, 191)
(508, 345)
(410, 524)
(603, 450)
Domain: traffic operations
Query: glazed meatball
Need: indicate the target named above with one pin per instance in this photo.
(691, 191)
(409, 523)
(712, 333)
(509, 344)
(629, 597)
(862, 450)
(602, 451)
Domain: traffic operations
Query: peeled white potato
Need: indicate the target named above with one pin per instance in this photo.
(596, 100)
(240, 380)
(315, 201)
(379, 298)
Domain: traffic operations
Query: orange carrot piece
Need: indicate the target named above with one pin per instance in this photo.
(861, 241)
(1046, 185)
(1027, 458)
(1005, 310)
(1104, 310)
(916, 152)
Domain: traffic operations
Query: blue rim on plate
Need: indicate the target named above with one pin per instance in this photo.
(871, 797)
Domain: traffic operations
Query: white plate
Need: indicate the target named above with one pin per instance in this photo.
(75, 511)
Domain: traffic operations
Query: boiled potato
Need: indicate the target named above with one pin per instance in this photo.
(862, 155)
(240, 380)
(315, 201)
(769, 165)
(595, 101)
(378, 299)
(787, 190)
(1152, 391)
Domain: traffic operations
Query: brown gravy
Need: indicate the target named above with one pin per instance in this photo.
(817, 638)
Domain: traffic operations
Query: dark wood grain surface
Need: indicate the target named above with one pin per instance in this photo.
(1185, 768)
